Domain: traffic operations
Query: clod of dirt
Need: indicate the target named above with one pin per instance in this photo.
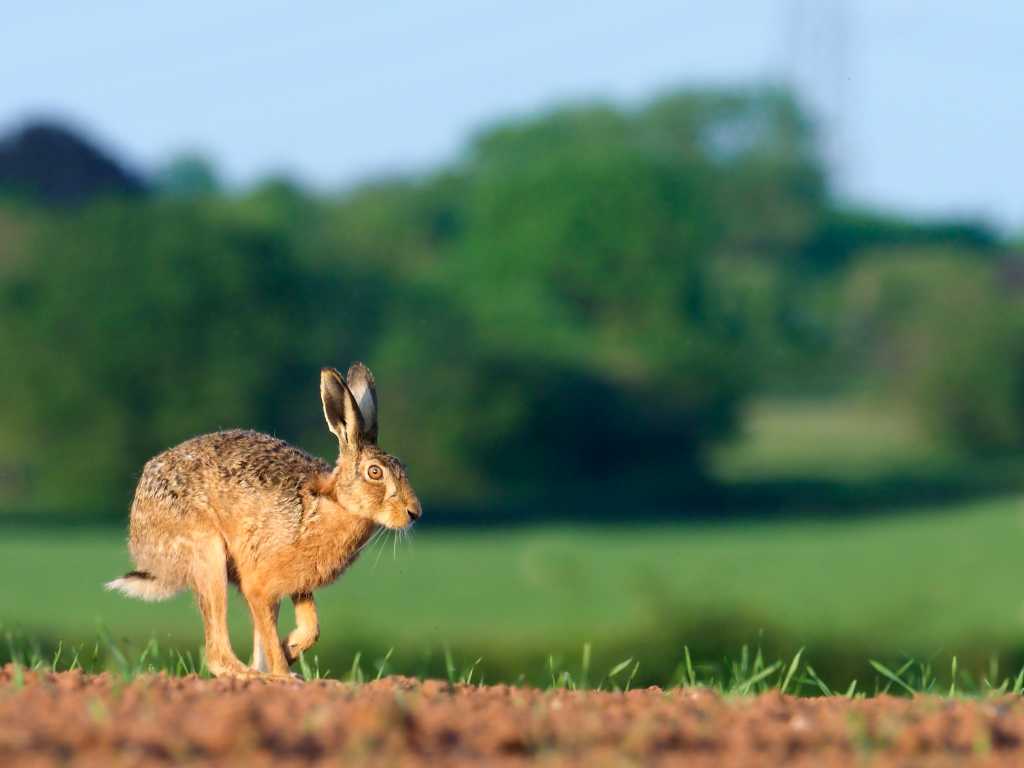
(83, 720)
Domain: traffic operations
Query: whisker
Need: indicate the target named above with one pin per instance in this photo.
(384, 542)
(371, 540)
(380, 551)
(382, 546)
(373, 537)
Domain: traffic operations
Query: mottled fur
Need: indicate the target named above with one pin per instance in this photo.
(248, 508)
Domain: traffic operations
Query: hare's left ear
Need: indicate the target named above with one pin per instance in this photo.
(340, 409)
(364, 390)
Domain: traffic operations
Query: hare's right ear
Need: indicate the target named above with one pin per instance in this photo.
(363, 388)
(340, 409)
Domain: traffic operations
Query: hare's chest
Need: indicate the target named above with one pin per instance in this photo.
(328, 566)
(323, 561)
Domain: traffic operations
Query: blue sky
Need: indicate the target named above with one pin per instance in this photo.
(928, 95)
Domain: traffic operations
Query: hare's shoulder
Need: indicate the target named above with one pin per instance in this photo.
(249, 457)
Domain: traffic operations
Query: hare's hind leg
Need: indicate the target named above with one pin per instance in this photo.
(210, 582)
(307, 627)
(260, 662)
(263, 608)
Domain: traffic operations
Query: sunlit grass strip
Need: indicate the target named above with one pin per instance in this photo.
(746, 675)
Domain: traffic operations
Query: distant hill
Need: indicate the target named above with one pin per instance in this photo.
(52, 164)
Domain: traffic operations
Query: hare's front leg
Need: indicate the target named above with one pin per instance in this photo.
(307, 627)
(263, 608)
(259, 659)
(210, 583)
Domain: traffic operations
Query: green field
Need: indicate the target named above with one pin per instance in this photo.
(854, 439)
(924, 584)
(935, 581)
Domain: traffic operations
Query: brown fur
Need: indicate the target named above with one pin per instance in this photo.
(248, 508)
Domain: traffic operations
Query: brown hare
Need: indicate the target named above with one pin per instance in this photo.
(248, 508)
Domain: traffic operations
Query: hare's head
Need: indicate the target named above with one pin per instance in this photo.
(366, 481)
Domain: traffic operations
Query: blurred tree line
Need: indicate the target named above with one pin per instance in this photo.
(568, 315)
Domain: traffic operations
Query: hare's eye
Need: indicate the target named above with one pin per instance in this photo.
(374, 472)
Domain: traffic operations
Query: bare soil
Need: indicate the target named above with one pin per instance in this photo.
(85, 720)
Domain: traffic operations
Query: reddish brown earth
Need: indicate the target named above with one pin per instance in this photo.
(80, 720)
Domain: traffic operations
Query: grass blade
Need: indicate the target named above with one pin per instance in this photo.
(691, 677)
(619, 668)
(632, 674)
(792, 670)
(383, 663)
(1018, 683)
(759, 676)
(891, 676)
(818, 681)
(585, 667)
(355, 674)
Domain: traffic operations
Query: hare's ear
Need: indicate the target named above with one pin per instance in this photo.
(364, 390)
(340, 409)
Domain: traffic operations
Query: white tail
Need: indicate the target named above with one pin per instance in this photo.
(143, 586)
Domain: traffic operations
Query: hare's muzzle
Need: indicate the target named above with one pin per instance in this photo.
(415, 512)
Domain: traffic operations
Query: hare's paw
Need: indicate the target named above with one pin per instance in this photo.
(298, 642)
(231, 668)
(287, 677)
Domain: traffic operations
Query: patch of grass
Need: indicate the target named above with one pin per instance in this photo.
(747, 674)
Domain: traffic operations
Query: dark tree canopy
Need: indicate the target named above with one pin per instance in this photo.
(49, 163)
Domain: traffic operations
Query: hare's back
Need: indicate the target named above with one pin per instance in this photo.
(223, 464)
(255, 460)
